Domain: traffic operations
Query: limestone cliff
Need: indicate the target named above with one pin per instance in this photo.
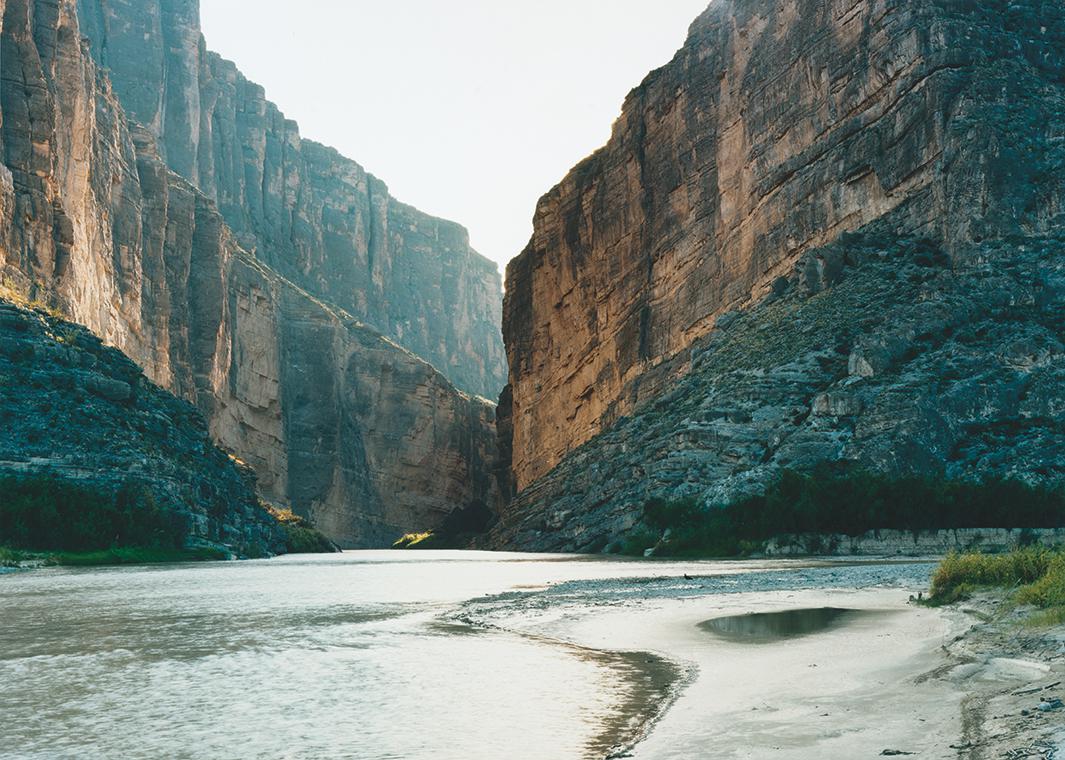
(76, 410)
(337, 421)
(683, 323)
(308, 213)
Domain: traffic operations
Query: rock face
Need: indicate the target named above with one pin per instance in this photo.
(777, 127)
(72, 408)
(338, 422)
(688, 320)
(305, 211)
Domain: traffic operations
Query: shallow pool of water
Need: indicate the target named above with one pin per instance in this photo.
(766, 627)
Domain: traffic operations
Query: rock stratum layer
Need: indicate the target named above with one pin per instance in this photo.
(338, 421)
(74, 409)
(692, 314)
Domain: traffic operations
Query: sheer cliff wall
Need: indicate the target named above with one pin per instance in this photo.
(824, 232)
(310, 214)
(779, 125)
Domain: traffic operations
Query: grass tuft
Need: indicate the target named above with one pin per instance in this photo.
(1037, 576)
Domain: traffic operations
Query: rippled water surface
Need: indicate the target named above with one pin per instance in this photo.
(367, 655)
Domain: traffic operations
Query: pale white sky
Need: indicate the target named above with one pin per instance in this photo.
(468, 109)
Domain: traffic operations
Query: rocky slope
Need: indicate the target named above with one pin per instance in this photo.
(74, 409)
(337, 421)
(687, 321)
(307, 212)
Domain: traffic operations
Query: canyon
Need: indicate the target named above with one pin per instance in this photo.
(822, 232)
(300, 354)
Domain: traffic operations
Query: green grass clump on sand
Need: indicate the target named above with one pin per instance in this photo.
(1036, 575)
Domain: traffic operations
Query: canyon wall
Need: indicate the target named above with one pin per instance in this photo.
(337, 421)
(778, 126)
(315, 217)
(823, 231)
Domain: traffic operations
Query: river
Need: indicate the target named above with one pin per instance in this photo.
(366, 655)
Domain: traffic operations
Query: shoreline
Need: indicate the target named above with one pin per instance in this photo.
(871, 674)
(795, 697)
(893, 679)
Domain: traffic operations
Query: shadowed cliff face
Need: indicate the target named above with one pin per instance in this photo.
(304, 210)
(336, 420)
(73, 409)
(777, 128)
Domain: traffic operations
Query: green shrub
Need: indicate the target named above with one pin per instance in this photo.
(49, 513)
(839, 499)
(458, 530)
(300, 538)
(639, 541)
(136, 556)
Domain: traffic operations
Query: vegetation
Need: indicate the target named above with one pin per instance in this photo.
(460, 528)
(135, 555)
(303, 539)
(46, 513)
(428, 540)
(47, 520)
(836, 499)
(1036, 575)
(10, 557)
(300, 536)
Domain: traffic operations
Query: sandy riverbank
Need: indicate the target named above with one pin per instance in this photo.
(890, 679)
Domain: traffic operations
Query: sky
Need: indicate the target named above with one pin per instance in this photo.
(468, 109)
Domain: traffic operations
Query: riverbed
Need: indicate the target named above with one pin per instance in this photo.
(380, 655)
